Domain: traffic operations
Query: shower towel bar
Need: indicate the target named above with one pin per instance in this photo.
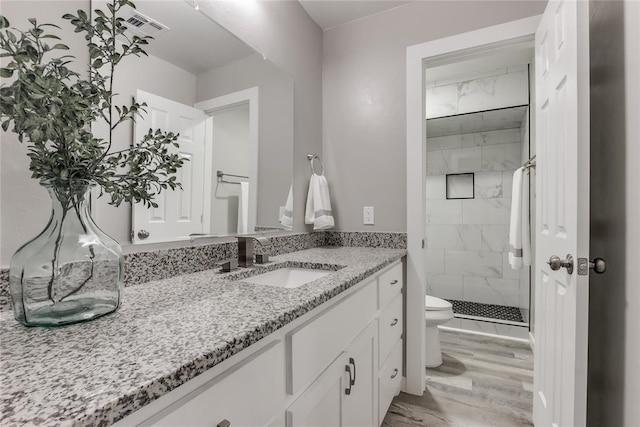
(221, 176)
(531, 163)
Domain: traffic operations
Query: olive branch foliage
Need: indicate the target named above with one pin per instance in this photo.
(52, 107)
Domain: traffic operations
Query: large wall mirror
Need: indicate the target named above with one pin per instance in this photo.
(233, 109)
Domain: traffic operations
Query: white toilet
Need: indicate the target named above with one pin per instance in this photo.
(437, 312)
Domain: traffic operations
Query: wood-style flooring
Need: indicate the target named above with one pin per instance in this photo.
(483, 381)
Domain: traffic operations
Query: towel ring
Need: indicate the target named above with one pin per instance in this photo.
(311, 158)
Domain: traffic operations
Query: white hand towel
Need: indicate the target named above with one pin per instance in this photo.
(519, 239)
(243, 208)
(526, 219)
(318, 210)
(287, 215)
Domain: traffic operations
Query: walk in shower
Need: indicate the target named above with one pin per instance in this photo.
(477, 136)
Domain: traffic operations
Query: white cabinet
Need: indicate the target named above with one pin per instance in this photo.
(257, 383)
(313, 345)
(359, 401)
(321, 404)
(390, 332)
(389, 380)
(345, 393)
(338, 365)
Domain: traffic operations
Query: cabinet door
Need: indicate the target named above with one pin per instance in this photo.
(248, 394)
(320, 404)
(359, 406)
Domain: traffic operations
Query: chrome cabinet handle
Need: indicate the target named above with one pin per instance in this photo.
(347, 390)
(393, 282)
(395, 373)
(353, 362)
(143, 234)
(556, 263)
(395, 322)
(223, 423)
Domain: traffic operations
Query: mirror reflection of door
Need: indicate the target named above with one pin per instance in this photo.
(179, 212)
(191, 60)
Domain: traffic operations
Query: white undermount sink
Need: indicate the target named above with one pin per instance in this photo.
(290, 277)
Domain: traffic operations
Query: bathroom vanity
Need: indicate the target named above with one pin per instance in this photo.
(211, 349)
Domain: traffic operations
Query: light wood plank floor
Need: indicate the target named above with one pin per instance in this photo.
(483, 381)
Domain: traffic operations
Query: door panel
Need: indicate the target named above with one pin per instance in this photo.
(562, 120)
(321, 404)
(180, 212)
(359, 404)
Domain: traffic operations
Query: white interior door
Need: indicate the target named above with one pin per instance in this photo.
(179, 213)
(562, 220)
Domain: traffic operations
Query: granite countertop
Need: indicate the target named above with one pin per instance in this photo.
(165, 333)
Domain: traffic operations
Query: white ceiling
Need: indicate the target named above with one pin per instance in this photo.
(330, 13)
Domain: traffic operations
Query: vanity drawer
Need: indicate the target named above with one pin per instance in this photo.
(389, 285)
(389, 328)
(389, 380)
(313, 346)
(249, 394)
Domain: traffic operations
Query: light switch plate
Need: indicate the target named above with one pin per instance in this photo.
(367, 213)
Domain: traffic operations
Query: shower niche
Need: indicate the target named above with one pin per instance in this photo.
(477, 131)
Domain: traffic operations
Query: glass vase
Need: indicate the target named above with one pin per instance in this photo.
(72, 271)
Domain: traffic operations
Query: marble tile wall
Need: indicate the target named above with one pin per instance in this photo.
(505, 87)
(467, 240)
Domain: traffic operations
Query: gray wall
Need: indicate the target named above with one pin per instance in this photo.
(231, 153)
(364, 128)
(153, 75)
(287, 36)
(614, 320)
(25, 205)
(275, 167)
(281, 30)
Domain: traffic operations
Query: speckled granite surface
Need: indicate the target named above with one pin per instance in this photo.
(145, 266)
(5, 298)
(165, 333)
(366, 239)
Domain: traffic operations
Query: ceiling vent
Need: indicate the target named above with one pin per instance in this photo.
(141, 25)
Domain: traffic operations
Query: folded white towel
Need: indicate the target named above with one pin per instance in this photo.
(519, 238)
(243, 208)
(318, 210)
(287, 213)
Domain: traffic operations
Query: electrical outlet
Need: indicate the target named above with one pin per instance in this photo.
(367, 213)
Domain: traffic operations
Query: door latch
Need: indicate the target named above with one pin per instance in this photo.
(598, 265)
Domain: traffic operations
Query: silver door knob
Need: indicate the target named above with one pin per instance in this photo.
(143, 234)
(556, 263)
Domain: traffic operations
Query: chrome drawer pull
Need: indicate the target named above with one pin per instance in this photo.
(395, 322)
(347, 390)
(353, 362)
(393, 282)
(224, 423)
(395, 373)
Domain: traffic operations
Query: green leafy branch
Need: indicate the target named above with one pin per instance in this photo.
(52, 107)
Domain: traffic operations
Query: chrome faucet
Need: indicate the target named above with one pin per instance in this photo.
(245, 249)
